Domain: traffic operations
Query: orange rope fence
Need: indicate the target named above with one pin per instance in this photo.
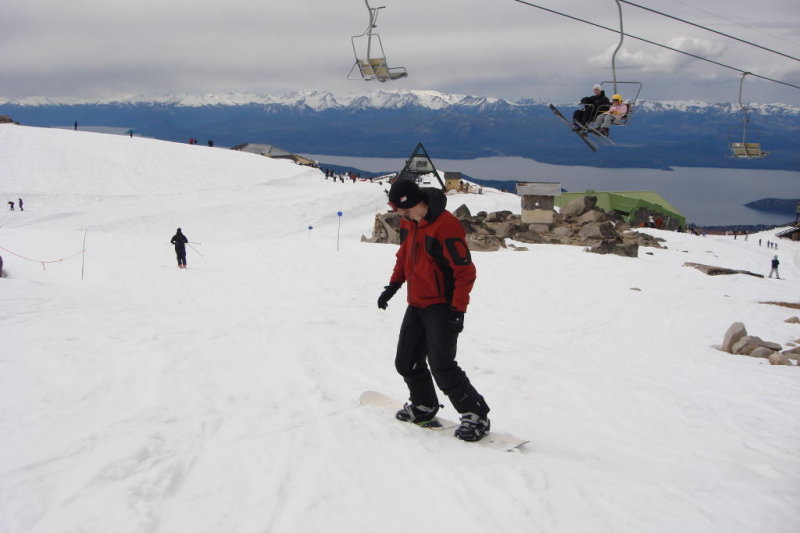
(43, 262)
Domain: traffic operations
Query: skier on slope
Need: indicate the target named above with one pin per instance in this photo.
(435, 261)
(180, 240)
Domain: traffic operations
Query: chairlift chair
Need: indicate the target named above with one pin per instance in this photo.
(370, 66)
(746, 148)
(630, 102)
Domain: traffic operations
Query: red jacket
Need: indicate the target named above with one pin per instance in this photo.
(434, 259)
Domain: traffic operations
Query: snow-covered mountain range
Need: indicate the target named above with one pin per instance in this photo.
(390, 123)
(396, 99)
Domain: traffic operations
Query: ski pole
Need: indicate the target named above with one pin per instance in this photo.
(193, 248)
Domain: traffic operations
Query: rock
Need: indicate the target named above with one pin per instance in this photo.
(539, 228)
(503, 229)
(719, 271)
(636, 289)
(735, 333)
(520, 248)
(529, 237)
(762, 352)
(598, 231)
(780, 359)
(591, 216)
(579, 206)
(563, 231)
(386, 229)
(747, 344)
(462, 212)
(792, 320)
(793, 353)
(615, 248)
(498, 216)
(485, 243)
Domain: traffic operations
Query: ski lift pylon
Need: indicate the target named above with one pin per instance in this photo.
(372, 66)
(746, 148)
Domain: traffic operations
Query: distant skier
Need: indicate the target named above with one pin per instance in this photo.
(775, 264)
(76, 125)
(19, 201)
(180, 240)
(435, 261)
(11, 203)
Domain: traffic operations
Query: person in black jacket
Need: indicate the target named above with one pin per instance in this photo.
(180, 240)
(774, 269)
(592, 105)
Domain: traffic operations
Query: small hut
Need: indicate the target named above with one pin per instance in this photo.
(538, 201)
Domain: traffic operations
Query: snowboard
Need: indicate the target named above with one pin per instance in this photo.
(498, 441)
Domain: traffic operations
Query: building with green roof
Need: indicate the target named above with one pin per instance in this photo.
(635, 207)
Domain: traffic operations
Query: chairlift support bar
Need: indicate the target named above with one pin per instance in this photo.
(619, 45)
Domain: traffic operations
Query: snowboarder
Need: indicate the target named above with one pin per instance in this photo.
(774, 269)
(180, 240)
(19, 202)
(592, 105)
(435, 261)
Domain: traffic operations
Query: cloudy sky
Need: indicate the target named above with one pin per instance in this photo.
(104, 48)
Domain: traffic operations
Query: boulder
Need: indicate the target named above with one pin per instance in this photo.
(793, 353)
(792, 320)
(594, 215)
(485, 243)
(498, 216)
(734, 334)
(598, 231)
(761, 351)
(503, 229)
(719, 271)
(630, 249)
(780, 359)
(386, 229)
(462, 212)
(539, 228)
(563, 231)
(529, 237)
(579, 206)
(747, 344)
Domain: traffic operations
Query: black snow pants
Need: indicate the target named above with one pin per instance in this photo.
(181, 253)
(426, 340)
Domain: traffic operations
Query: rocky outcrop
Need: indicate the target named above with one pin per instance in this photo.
(737, 341)
(720, 271)
(580, 223)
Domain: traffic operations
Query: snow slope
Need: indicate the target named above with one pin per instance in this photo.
(223, 398)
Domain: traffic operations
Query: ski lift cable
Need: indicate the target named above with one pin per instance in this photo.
(745, 41)
(648, 41)
(736, 23)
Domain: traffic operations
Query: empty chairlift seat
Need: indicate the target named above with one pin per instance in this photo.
(747, 150)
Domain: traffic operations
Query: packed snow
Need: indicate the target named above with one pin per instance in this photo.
(224, 397)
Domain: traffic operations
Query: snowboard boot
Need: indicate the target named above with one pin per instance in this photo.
(472, 428)
(604, 131)
(418, 414)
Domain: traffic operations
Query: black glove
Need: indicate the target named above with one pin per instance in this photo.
(455, 321)
(386, 295)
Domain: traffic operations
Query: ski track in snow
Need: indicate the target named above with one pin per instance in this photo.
(225, 397)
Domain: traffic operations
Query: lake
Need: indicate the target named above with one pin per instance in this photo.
(706, 196)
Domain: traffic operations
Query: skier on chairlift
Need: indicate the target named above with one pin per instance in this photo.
(603, 121)
(592, 105)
